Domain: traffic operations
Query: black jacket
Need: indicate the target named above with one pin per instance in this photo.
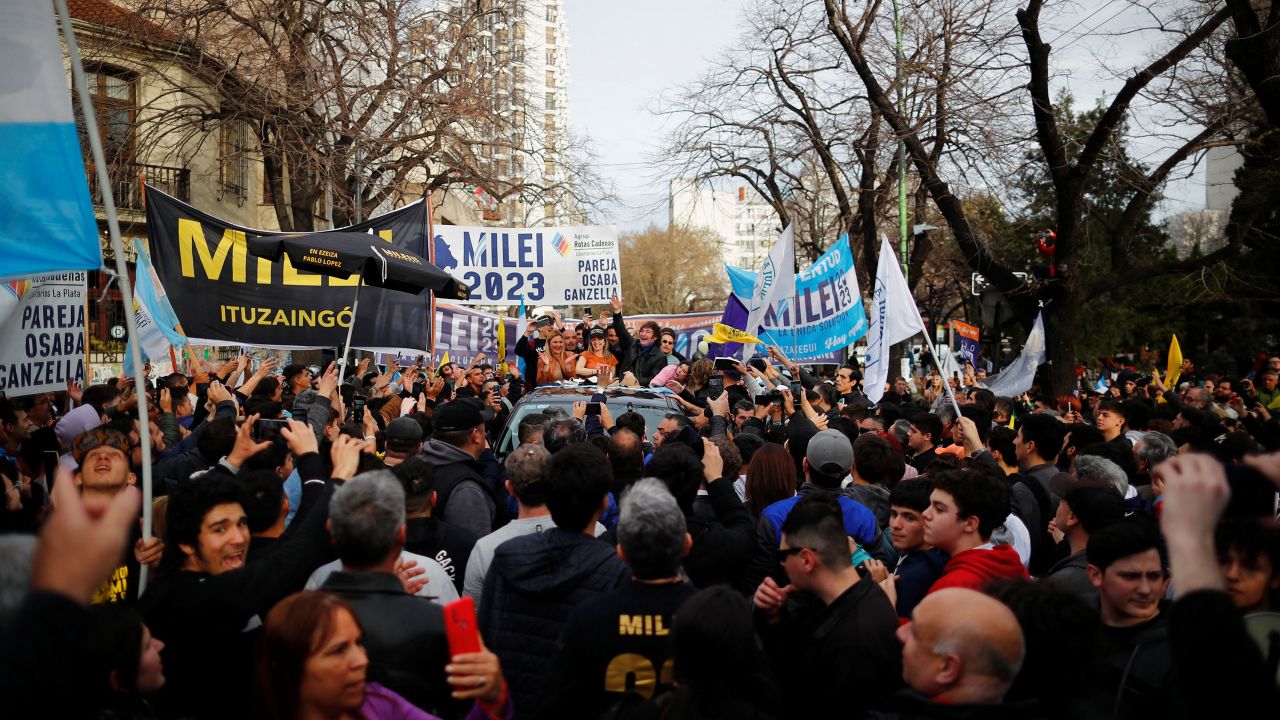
(723, 544)
(202, 619)
(534, 584)
(844, 655)
(911, 705)
(1140, 675)
(404, 636)
(448, 545)
(643, 362)
(463, 497)
(627, 631)
(179, 468)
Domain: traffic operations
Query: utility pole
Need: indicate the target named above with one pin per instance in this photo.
(902, 145)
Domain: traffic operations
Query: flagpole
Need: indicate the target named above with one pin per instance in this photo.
(122, 269)
(346, 348)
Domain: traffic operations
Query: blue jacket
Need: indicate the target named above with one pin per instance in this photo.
(859, 521)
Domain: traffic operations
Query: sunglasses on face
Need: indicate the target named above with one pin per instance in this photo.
(783, 553)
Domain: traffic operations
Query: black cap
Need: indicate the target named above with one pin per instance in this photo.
(404, 430)
(544, 320)
(461, 414)
(597, 332)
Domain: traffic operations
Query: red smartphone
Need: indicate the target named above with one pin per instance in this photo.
(460, 626)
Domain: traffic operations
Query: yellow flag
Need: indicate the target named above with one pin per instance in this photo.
(721, 334)
(1174, 370)
(444, 360)
(502, 345)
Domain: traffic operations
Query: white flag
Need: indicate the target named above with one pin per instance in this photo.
(1018, 377)
(775, 283)
(894, 318)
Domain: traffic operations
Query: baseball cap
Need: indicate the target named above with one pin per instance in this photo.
(1063, 483)
(96, 438)
(543, 320)
(597, 332)
(403, 432)
(461, 414)
(830, 453)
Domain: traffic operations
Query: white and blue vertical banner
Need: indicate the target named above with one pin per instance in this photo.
(158, 328)
(824, 315)
(46, 218)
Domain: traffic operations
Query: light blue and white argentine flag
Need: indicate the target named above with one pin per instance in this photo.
(46, 219)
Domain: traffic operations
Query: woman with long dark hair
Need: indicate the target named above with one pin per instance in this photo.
(770, 477)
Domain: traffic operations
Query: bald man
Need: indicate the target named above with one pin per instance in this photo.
(960, 654)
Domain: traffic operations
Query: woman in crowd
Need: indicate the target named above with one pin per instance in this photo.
(555, 363)
(697, 386)
(771, 477)
(597, 361)
(667, 344)
(312, 664)
(132, 668)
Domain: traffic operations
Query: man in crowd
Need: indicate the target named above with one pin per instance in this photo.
(405, 638)
(1087, 505)
(1037, 445)
(840, 635)
(961, 652)
(206, 601)
(923, 438)
(526, 480)
(426, 535)
(535, 582)
(1127, 565)
(463, 496)
(626, 634)
(919, 564)
(404, 440)
(964, 508)
(641, 356)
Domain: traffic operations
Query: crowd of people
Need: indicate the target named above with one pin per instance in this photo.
(776, 546)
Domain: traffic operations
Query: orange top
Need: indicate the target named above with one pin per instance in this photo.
(594, 361)
(549, 370)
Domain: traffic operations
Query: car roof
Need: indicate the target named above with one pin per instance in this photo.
(545, 392)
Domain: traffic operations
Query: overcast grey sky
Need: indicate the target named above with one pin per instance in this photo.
(622, 55)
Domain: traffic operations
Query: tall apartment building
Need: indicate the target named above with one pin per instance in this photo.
(530, 41)
(745, 223)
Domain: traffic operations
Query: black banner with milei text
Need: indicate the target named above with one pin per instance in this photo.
(224, 295)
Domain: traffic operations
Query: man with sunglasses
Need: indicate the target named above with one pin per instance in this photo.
(830, 632)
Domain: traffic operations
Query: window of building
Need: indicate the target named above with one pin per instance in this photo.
(551, 101)
(551, 79)
(115, 107)
(551, 57)
(551, 13)
(549, 214)
(233, 166)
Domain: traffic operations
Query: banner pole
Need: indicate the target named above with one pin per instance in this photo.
(122, 269)
(346, 350)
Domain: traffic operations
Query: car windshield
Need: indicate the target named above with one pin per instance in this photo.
(652, 413)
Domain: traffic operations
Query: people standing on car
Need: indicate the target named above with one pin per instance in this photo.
(555, 362)
(528, 348)
(597, 361)
(641, 355)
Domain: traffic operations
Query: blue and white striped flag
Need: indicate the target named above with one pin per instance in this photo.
(46, 218)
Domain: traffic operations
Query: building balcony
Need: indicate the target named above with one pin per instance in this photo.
(128, 179)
